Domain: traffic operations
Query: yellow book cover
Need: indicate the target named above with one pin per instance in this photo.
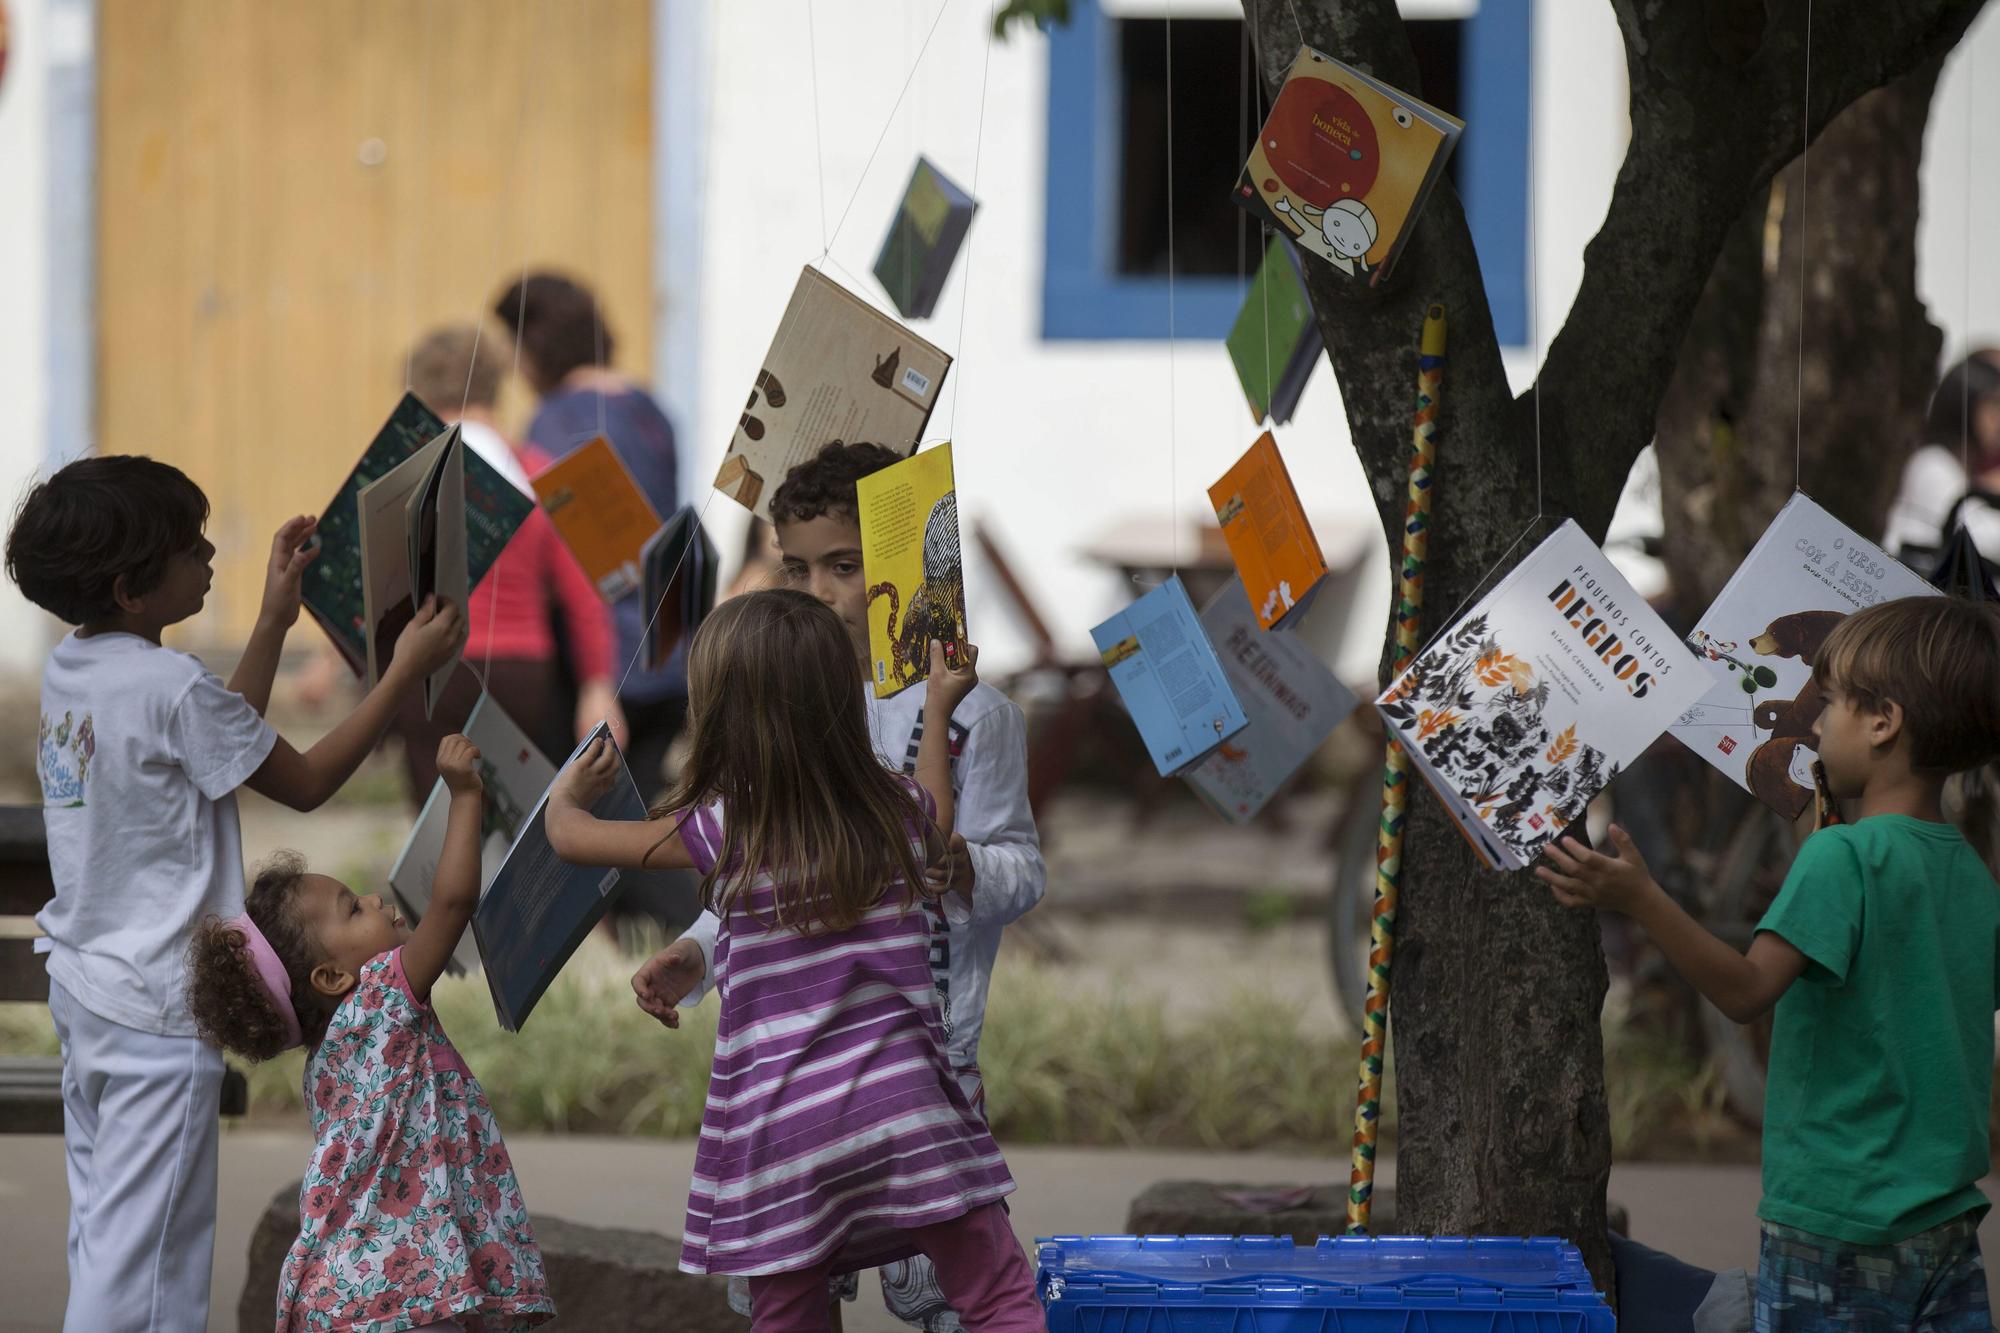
(1343, 164)
(916, 577)
(1268, 534)
(600, 513)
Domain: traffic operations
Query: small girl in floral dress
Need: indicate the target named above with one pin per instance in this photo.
(411, 1217)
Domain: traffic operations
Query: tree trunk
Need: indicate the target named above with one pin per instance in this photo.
(1495, 991)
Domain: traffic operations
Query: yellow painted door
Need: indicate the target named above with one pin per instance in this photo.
(290, 192)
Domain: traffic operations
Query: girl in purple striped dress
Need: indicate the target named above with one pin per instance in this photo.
(835, 1137)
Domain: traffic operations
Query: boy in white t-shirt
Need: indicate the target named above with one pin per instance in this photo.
(141, 751)
(994, 872)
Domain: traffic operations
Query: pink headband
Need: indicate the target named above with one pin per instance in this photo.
(271, 974)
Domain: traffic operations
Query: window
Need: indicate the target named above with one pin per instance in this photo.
(1108, 190)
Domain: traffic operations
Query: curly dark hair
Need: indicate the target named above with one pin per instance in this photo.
(558, 323)
(231, 1008)
(97, 520)
(824, 483)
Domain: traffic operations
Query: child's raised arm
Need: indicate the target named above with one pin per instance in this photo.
(581, 838)
(290, 555)
(455, 890)
(947, 686)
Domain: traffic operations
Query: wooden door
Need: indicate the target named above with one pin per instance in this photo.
(290, 192)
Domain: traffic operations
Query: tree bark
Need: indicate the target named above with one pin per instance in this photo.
(1495, 991)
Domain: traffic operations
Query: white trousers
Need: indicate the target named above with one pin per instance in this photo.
(140, 1135)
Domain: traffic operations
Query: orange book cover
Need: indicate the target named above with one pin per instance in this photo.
(600, 513)
(1268, 535)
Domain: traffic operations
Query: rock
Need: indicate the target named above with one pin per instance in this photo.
(602, 1277)
(1198, 1208)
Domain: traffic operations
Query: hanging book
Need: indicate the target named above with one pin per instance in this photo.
(1525, 708)
(1344, 164)
(1803, 577)
(514, 774)
(600, 513)
(1275, 341)
(413, 536)
(540, 908)
(838, 369)
(1276, 554)
(915, 573)
(677, 572)
(1292, 701)
(1169, 677)
(923, 240)
(333, 585)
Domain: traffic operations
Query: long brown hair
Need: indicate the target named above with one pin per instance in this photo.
(779, 734)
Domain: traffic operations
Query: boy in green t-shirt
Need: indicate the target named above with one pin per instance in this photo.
(1875, 1117)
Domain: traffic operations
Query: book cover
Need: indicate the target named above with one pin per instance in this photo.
(388, 593)
(1275, 342)
(434, 527)
(515, 774)
(600, 513)
(1803, 577)
(678, 568)
(838, 369)
(1344, 163)
(1169, 678)
(1292, 701)
(540, 908)
(923, 241)
(1527, 706)
(1276, 554)
(332, 586)
(915, 572)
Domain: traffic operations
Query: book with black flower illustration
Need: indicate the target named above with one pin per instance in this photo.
(1531, 703)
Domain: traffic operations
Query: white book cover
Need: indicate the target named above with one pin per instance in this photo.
(515, 774)
(1292, 700)
(1530, 704)
(1805, 575)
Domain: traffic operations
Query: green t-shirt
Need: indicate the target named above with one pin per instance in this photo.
(1882, 1052)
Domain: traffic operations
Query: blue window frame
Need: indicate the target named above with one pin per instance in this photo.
(1084, 296)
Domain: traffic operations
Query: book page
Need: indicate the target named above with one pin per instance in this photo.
(600, 513)
(1169, 678)
(915, 569)
(1277, 556)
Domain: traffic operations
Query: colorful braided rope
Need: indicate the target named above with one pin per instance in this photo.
(1395, 784)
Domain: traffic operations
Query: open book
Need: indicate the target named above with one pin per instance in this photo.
(1527, 706)
(600, 513)
(515, 774)
(677, 572)
(540, 908)
(1803, 577)
(1275, 341)
(333, 587)
(1169, 678)
(915, 571)
(413, 536)
(1292, 700)
(923, 240)
(838, 369)
(1276, 554)
(1344, 163)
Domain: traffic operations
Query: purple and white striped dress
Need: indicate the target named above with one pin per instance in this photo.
(834, 1121)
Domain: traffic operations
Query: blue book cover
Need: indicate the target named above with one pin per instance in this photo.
(1168, 675)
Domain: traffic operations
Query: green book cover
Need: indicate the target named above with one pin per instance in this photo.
(923, 240)
(332, 590)
(1273, 334)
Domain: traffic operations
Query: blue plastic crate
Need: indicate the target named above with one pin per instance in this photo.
(1361, 1284)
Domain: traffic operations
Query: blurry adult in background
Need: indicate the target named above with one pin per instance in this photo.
(565, 353)
(1963, 423)
(534, 589)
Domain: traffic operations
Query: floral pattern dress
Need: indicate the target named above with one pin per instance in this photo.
(410, 1213)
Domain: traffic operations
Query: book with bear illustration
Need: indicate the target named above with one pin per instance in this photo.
(1803, 577)
(1276, 554)
(1526, 707)
(915, 572)
(1292, 700)
(1275, 342)
(1169, 678)
(1344, 163)
(837, 369)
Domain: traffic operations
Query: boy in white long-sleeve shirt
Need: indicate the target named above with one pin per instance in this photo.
(994, 872)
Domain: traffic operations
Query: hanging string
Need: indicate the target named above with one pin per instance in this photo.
(819, 150)
(887, 124)
(1173, 414)
(1296, 22)
(1964, 379)
(422, 144)
(978, 146)
(1805, 206)
(1252, 99)
(595, 212)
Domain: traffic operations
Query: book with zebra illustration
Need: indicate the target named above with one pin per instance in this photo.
(915, 572)
(1527, 706)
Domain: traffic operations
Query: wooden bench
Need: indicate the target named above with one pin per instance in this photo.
(31, 1086)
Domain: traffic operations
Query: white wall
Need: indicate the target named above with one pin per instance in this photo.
(1962, 196)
